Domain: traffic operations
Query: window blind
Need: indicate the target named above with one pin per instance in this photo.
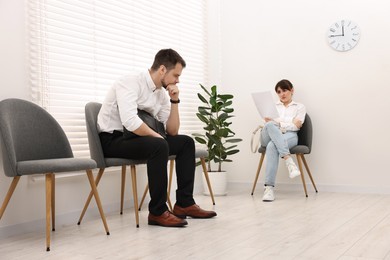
(78, 48)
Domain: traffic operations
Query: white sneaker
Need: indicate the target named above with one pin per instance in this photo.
(268, 194)
(292, 168)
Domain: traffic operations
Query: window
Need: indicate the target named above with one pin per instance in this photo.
(78, 48)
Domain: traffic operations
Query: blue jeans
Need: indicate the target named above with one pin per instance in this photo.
(278, 145)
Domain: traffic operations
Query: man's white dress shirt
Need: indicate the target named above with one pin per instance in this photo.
(125, 96)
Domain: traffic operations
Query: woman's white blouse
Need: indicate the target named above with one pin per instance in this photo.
(288, 113)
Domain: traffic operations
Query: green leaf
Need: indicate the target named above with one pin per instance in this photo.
(232, 152)
(202, 99)
(228, 103)
(196, 134)
(222, 132)
(236, 140)
(202, 118)
(203, 111)
(213, 103)
(230, 131)
(228, 110)
(226, 96)
(205, 90)
(231, 147)
(200, 140)
(214, 123)
(223, 117)
(214, 91)
(208, 128)
(214, 139)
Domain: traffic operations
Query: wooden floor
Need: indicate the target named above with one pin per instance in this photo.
(323, 226)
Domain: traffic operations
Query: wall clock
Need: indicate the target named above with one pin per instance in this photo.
(343, 35)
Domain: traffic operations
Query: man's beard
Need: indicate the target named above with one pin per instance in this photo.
(164, 85)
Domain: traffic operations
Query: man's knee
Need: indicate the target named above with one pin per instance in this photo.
(189, 140)
(161, 146)
(184, 140)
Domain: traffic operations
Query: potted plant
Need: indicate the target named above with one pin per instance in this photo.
(215, 113)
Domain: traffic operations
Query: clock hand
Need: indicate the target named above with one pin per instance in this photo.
(336, 35)
(343, 30)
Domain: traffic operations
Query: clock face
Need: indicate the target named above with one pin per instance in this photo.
(343, 35)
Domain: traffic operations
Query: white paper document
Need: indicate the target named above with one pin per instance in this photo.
(265, 104)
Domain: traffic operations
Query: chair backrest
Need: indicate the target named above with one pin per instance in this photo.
(305, 134)
(95, 148)
(28, 132)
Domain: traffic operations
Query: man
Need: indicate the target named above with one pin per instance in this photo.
(154, 91)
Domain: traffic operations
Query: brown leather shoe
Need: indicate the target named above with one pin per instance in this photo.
(167, 219)
(193, 211)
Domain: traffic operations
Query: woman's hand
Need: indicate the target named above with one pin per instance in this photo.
(268, 119)
(297, 122)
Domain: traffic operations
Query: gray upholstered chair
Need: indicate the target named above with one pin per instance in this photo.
(91, 112)
(199, 154)
(34, 143)
(305, 136)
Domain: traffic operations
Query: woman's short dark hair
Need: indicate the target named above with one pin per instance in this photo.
(284, 84)
(169, 58)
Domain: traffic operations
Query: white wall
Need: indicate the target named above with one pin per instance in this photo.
(346, 93)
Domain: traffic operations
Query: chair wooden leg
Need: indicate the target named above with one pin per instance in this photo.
(171, 166)
(97, 199)
(206, 175)
(53, 203)
(99, 176)
(143, 197)
(49, 182)
(258, 172)
(301, 170)
(123, 182)
(135, 195)
(308, 171)
(9, 194)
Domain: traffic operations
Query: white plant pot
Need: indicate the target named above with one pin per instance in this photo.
(218, 181)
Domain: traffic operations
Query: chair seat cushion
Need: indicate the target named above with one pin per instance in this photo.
(201, 153)
(262, 149)
(300, 149)
(294, 150)
(122, 161)
(54, 165)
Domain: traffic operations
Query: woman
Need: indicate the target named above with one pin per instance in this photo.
(280, 134)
